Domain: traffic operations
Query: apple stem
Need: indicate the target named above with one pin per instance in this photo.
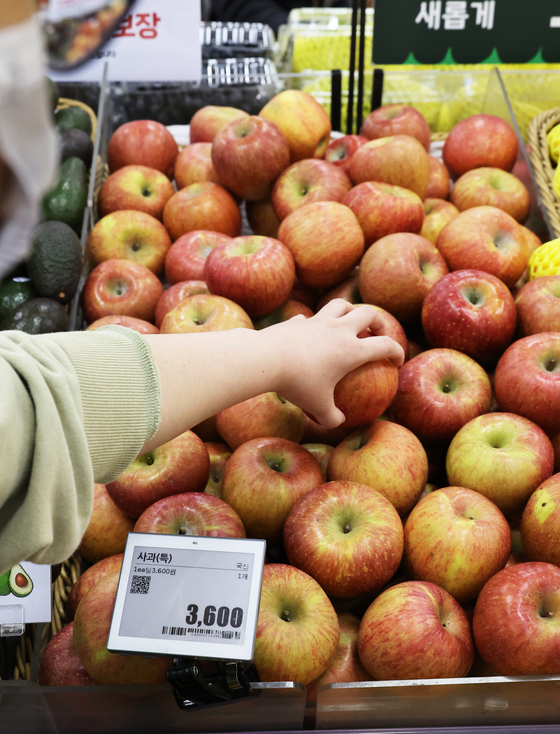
(347, 528)
(286, 616)
(547, 614)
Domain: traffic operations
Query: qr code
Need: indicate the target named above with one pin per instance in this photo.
(140, 584)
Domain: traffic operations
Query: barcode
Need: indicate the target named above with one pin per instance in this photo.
(174, 630)
(140, 584)
(182, 631)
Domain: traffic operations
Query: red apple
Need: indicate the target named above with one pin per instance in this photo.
(316, 433)
(326, 241)
(439, 391)
(91, 575)
(286, 311)
(383, 209)
(60, 664)
(206, 430)
(178, 466)
(205, 312)
(477, 141)
(458, 539)
(194, 165)
(129, 235)
(503, 456)
(248, 155)
(322, 453)
(297, 627)
(193, 513)
(139, 325)
(415, 630)
(262, 218)
(255, 272)
(348, 290)
(303, 122)
(142, 143)
(120, 287)
(538, 306)
(398, 271)
(397, 119)
(492, 187)
(470, 311)
(438, 187)
(515, 621)
(437, 212)
(174, 295)
(135, 187)
(346, 536)
(533, 240)
(307, 181)
(263, 416)
(263, 479)
(202, 206)
(399, 159)
(186, 257)
(107, 529)
(385, 456)
(540, 523)
(219, 453)
(208, 120)
(340, 150)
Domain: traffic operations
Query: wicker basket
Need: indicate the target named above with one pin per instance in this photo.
(542, 165)
(63, 103)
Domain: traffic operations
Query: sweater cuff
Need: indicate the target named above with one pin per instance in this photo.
(120, 393)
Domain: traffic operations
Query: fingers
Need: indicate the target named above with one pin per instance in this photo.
(329, 416)
(383, 347)
(335, 308)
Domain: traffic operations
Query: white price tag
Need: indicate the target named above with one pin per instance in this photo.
(188, 596)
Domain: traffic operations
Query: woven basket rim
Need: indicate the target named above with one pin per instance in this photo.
(64, 102)
(542, 165)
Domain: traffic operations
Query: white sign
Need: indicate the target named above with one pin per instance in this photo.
(158, 41)
(57, 10)
(25, 595)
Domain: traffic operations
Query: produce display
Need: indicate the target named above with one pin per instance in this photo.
(402, 522)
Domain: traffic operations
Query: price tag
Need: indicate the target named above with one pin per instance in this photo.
(188, 596)
(25, 597)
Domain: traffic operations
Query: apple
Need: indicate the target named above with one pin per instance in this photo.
(340, 150)
(398, 159)
(91, 575)
(303, 122)
(264, 415)
(415, 630)
(347, 289)
(107, 529)
(219, 453)
(248, 156)
(305, 294)
(398, 271)
(194, 165)
(186, 257)
(142, 143)
(322, 453)
(129, 235)
(255, 272)
(437, 212)
(384, 456)
(492, 187)
(192, 513)
(439, 391)
(60, 664)
(538, 306)
(297, 627)
(205, 312)
(178, 466)
(208, 120)
(205, 205)
(262, 218)
(515, 621)
(346, 536)
(471, 311)
(397, 119)
(383, 209)
(286, 311)
(326, 241)
(120, 287)
(139, 325)
(263, 479)
(458, 539)
(207, 431)
(540, 523)
(485, 238)
(503, 456)
(175, 294)
(480, 141)
(532, 239)
(527, 380)
(91, 630)
(316, 433)
(307, 181)
(346, 666)
(438, 187)
(135, 187)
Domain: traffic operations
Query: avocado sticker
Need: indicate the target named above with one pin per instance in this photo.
(4, 586)
(16, 581)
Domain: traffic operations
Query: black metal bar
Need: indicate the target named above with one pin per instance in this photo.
(352, 69)
(336, 99)
(377, 89)
(361, 62)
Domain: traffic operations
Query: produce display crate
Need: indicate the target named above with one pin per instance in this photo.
(236, 40)
(543, 165)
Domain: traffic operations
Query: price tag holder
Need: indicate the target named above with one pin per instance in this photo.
(188, 596)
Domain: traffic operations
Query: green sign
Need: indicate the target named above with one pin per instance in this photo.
(466, 32)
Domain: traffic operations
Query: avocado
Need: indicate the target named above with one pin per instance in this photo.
(13, 293)
(55, 263)
(38, 316)
(53, 93)
(4, 586)
(20, 582)
(67, 200)
(69, 117)
(76, 143)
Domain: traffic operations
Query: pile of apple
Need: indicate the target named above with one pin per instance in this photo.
(425, 544)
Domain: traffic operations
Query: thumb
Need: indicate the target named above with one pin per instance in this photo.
(329, 416)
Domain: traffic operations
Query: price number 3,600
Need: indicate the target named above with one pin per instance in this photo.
(222, 616)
